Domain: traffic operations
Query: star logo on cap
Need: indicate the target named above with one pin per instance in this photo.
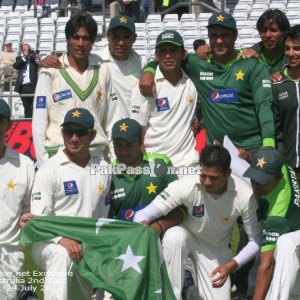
(100, 187)
(123, 127)
(190, 101)
(239, 75)
(220, 18)
(261, 162)
(11, 186)
(151, 188)
(123, 20)
(76, 114)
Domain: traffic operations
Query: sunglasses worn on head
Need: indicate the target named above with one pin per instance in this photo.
(78, 132)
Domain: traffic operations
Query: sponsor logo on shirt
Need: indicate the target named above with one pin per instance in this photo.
(271, 236)
(117, 193)
(198, 211)
(223, 96)
(206, 75)
(283, 95)
(266, 83)
(128, 213)
(40, 102)
(295, 186)
(70, 188)
(162, 104)
(135, 109)
(113, 96)
(59, 96)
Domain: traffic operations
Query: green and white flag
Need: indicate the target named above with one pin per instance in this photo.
(119, 256)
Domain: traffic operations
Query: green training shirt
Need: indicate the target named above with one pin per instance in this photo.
(273, 65)
(130, 193)
(236, 100)
(280, 209)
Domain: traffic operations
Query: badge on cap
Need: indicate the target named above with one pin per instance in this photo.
(220, 18)
(123, 127)
(123, 20)
(76, 114)
(261, 162)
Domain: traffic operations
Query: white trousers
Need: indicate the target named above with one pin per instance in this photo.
(62, 280)
(285, 284)
(11, 262)
(178, 244)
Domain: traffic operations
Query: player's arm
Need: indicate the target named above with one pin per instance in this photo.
(171, 219)
(40, 116)
(278, 124)
(263, 102)
(26, 215)
(50, 61)
(264, 275)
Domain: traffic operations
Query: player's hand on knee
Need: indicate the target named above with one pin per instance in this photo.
(73, 248)
(50, 61)
(24, 218)
(147, 85)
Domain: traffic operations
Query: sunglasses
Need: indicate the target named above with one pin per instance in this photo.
(78, 132)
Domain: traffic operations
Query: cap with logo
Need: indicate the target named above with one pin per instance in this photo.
(169, 36)
(4, 109)
(80, 116)
(122, 21)
(222, 19)
(266, 164)
(127, 129)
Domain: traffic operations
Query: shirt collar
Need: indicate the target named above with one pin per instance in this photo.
(94, 60)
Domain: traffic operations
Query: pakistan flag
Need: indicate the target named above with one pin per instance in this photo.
(121, 257)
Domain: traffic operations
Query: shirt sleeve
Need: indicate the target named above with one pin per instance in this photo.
(139, 107)
(40, 116)
(42, 193)
(262, 97)
(251, 218)
(30, 180)
(169, 198)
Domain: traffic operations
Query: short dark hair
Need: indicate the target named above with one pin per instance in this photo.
(275, 15)
(215, 156)
(293, 33)
(197, 43)
(81, 20)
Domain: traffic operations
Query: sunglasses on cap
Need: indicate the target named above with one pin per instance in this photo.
(78, 132)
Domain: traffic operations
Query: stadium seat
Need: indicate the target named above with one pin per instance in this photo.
(153, 19)
(188, 18)
(170, 18)
(174, 25)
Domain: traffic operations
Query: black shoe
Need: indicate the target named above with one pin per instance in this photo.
(188, 281)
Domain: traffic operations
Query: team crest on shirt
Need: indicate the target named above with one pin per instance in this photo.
(40, 102)
(70, 187)
(62, 95)
(162, 104)
(198, 211)
(127, 214)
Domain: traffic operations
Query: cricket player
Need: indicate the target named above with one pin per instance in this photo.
(167, 117)
(275, 185)
(65, 186)
(213, 205)
(80, 82)
(16, 180)
(235, 93)
(140, 181)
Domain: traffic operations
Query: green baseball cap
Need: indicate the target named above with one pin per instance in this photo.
(127, 129)
(266, 164)
(80, 116)
(122, 21)
(4, 109)
(169, 36)
(223, 19)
